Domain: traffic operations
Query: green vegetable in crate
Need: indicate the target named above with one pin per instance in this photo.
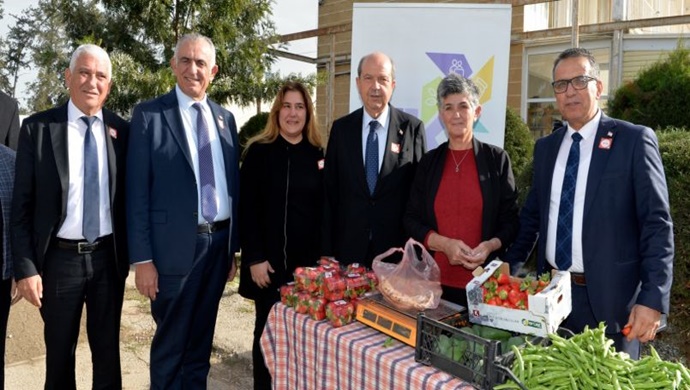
(443, 347)
(588, 361)
(516, 341)
(490, 333)
(451, 347)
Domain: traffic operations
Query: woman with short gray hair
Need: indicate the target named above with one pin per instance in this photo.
(463, 203)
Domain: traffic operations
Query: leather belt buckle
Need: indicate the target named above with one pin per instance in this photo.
(578, 278)
(205, 228)
(84, 248)
(212, 227)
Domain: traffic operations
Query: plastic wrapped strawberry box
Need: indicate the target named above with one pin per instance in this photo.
(317, 308)
(303, 302)
(356, 285)
(340, 313)
(306, 278)
(333, 287)
(288, 294)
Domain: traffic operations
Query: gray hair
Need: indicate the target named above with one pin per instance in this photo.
(197, 37)
(364, 58)
(92, 50)
(456, 84)
(574, 53)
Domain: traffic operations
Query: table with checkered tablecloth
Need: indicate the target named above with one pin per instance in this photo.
(305, 354)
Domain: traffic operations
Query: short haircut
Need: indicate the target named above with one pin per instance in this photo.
(456, 84)
(196, 37)
(93, 50)
(574, 53)
(364, 58)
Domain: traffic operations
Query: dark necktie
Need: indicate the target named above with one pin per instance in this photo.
(207, 179)
(371, 163)
(564, 233)
(91, 219)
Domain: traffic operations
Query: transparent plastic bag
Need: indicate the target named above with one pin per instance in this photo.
(413, 283)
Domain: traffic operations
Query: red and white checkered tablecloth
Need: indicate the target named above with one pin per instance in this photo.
(305, 354)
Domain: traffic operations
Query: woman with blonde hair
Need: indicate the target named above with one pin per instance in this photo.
(281, 200)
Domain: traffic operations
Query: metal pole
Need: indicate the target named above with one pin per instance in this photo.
(616, 64)
(331, 86)
(575, 25)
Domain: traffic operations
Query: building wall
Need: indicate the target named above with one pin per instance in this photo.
(635, 57)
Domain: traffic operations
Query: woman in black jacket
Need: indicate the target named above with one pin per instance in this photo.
(281, 200)
(463, 201)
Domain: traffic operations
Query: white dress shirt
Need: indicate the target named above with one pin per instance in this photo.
(71, 228)
(588, 133)
(189, 116)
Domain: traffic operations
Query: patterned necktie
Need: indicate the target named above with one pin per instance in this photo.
(371, 163)
(564, 232)
(207, 180)
(91, 219)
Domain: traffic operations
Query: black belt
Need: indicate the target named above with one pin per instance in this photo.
(578, 278)
(84, 247)
(210, 227)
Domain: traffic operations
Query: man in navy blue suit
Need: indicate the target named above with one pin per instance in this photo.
(619, 241)
(183, 179)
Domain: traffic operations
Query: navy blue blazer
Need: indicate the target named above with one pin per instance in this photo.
(162, 204)
(627, 235)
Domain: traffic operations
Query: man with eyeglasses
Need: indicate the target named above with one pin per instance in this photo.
(599, 208)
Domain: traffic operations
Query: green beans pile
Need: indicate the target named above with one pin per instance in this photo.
(589, 361)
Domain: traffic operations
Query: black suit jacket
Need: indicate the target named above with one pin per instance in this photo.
(9, 121)
(499, 195)
(352, 216)
(39, 204)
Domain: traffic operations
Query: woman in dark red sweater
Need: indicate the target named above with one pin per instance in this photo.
(463, 202)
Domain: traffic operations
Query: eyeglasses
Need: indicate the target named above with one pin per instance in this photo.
(579, 82)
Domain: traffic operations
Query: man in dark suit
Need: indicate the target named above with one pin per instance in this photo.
(9, 121)
(599, 208)
(370, 162)
(68, 226)
(183, 236)
(8, 292)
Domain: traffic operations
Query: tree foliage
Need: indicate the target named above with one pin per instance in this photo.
(657, 97)
(140, 36)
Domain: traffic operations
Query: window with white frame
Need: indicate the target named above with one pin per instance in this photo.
(540, 102)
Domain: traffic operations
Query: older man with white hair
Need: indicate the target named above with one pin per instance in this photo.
(68, 239)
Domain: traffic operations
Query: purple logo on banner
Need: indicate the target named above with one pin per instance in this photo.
(451, 63)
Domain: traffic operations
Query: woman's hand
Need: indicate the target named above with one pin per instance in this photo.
(260, 273)
(478, 255)
(455, 250)
(459, 253)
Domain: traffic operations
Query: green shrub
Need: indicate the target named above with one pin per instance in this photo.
(519, 145)
(674, 145)
(658, 96)
(253, 127)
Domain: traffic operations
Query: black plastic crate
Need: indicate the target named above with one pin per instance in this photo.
(475, 363)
